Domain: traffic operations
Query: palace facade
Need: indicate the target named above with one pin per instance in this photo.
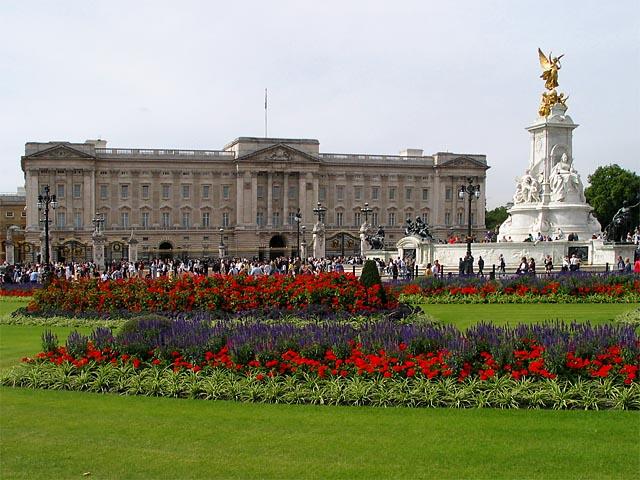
(185, 203)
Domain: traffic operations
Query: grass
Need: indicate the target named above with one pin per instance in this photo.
(49, 434)
(465, 315)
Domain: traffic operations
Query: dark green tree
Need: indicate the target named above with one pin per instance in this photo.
(495, 217)
(370, 277)
(609, 187)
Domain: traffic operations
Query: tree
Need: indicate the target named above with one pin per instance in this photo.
(495, 217)
(609, 187)
(370, 277)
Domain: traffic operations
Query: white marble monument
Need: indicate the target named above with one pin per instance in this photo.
(549, 197)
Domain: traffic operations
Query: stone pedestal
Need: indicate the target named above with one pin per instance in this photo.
(549, 197)
(10, 252)
(133, 250)
(318, 240)
(98, 241)
(365, 229)
(303, 250)
(222, 251)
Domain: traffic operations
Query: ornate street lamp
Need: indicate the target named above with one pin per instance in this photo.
(367, 211)
(44, 201)
(471, 191)
(221, 231)
(298, 218)
(319, 212)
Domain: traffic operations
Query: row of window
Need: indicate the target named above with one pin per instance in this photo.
(205, 192)
(374, 194)
(10, 214)
(145, 191)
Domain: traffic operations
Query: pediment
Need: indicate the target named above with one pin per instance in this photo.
(60, 150)
(280, 153)
(463, 162)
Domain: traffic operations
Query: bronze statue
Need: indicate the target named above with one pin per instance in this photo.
(550, 66)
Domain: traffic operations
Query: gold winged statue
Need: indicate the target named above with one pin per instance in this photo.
(550, 66)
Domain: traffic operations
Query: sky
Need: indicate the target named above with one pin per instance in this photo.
(360, 76)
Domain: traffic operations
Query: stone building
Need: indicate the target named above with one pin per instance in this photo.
(13, 218)
(246, 196)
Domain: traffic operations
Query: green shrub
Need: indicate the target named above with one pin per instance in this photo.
(370, 277)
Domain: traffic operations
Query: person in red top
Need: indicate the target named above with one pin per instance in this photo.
(636, 266)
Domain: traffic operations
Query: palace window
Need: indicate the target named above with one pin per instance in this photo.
(392, 219)
(448, 193)
(226, 192)
(124, 192)
(205, 191)
(186, 192)
(374, 218)
(276, 192)
(339, 219)
(460, 218)
(104, 192)
(292, 194)
(9, 214)
(275, 219)
(145, 220)
(61, 219)
(145, 192)
(166, 219)
(447, 218)
(425, 194)
(392, 193)
(225, 219)
(186, 219)
(357, 193)
(77, 219)
(375, 193)
(77, 190)
(166, 191)
(124, 219)
(340, 193)
(322, 194)
(260, 219)
(357, 219)
(292, 218)
(408, 192)
(60, 191)
(206, 219)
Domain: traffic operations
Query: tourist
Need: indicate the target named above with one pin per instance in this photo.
(627, 266)
(574, 263)
(437, 268)
(460, 266)
(620, 263)
(480, 265)
(636, 266)
(532, 266)
(502, 267)
(523, 267)
(428, 272)
(548, 264)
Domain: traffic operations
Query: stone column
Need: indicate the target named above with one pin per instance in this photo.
(239, 198)
(318, 240)
(98, 241)
(302, 192)
(254, 198)
(133, 249)
(285, 199)
(269, 199)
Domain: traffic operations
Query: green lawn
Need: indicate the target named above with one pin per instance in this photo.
(465, 315)
(49, 434)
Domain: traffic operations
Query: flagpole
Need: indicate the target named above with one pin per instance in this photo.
(265, 113)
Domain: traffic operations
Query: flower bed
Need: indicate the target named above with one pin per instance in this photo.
(380, 349)
(333, 292)
(525, 289)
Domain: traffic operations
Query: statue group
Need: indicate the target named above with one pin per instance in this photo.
(376, 241)
(620, 225)
(418, 229)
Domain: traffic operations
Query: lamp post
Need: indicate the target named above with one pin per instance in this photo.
(470, 190)
(44, 201)
(304, 244)
(221, 248)
(298, 218)
(367, 211)
(319, 212)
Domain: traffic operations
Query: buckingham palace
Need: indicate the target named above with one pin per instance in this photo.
(258, 197)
